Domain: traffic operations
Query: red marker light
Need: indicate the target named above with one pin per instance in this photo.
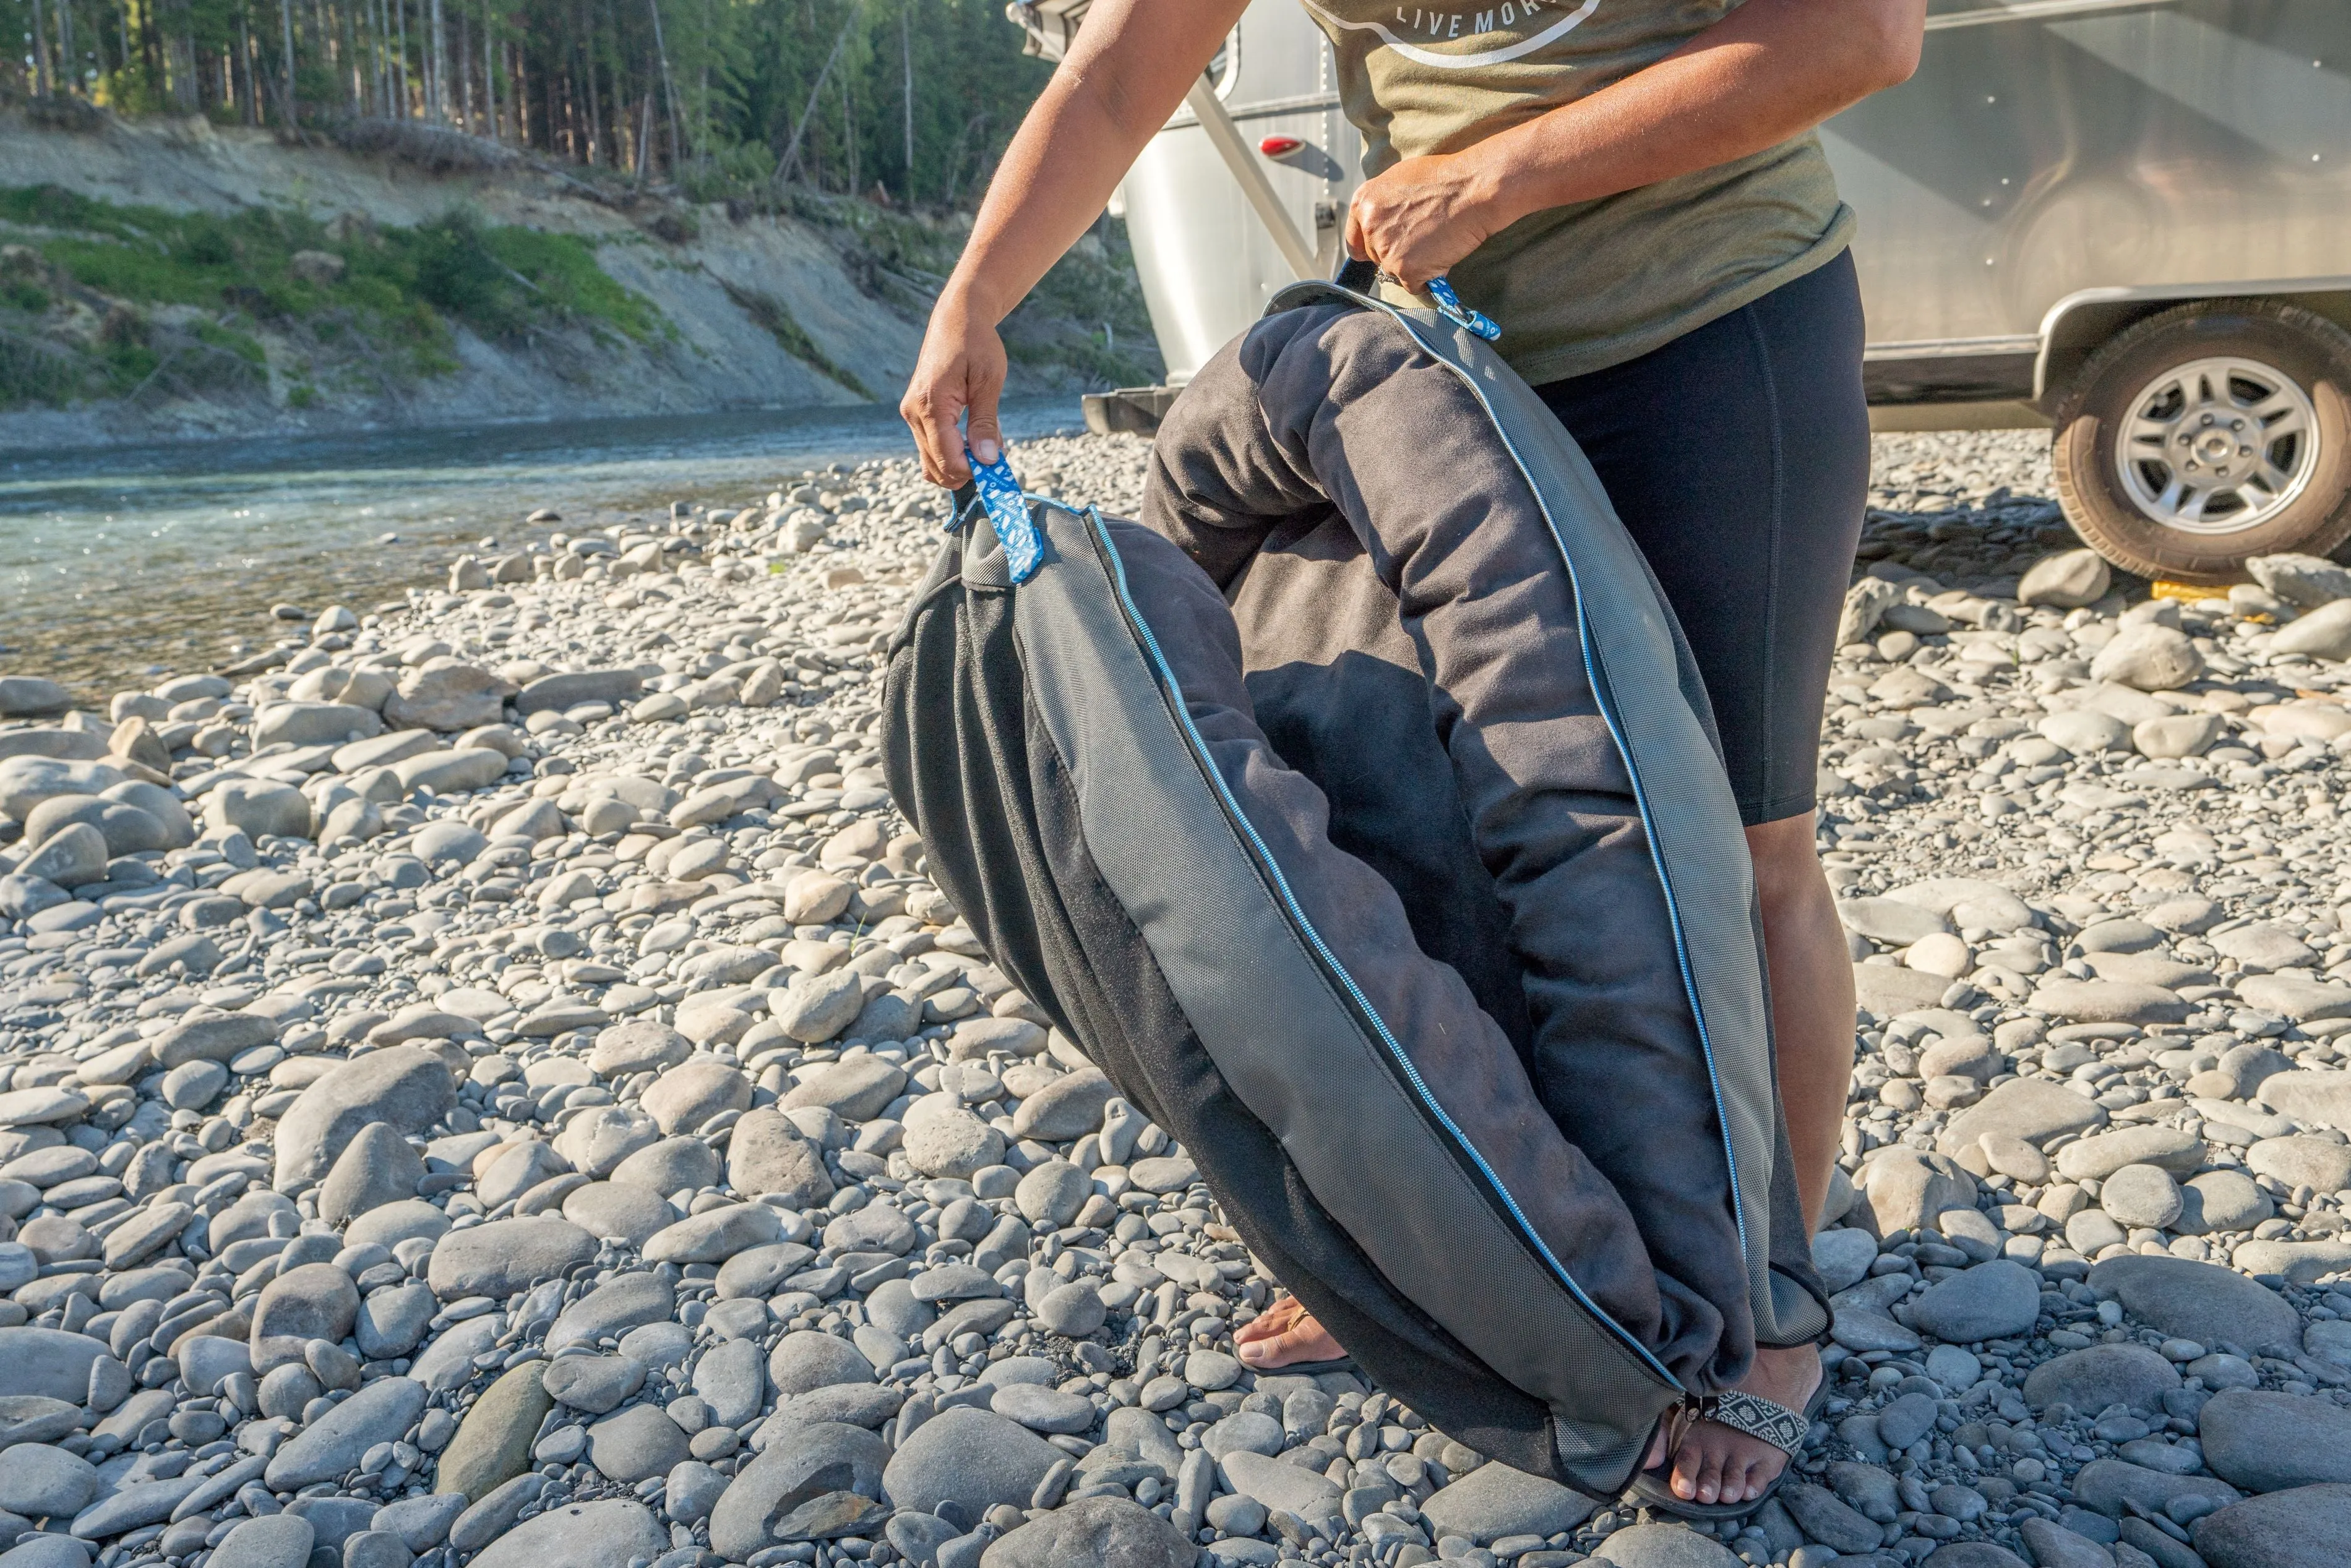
(1279, 146)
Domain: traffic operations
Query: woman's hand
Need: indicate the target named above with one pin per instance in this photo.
(1419, 219)
(959, 372)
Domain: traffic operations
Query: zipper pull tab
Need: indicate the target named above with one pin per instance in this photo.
(1450, 305)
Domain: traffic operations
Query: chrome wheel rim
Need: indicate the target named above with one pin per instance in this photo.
(2218, 446)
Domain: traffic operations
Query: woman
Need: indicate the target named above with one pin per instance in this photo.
(1631, 188)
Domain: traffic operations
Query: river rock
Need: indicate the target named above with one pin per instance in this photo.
(505, 1256)
(799, 1467)
(2267, 1442)
(493, 1442)
(579, 1535)
(970, 1457)
(332, 1446)
(2090, 1380)
(1093, 1530)
(2293, 1529)
(1996, 1299)
(1495, 1501)
(405, 1086)
(2199, 1302)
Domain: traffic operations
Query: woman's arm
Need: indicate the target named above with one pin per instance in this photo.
(1128, 69)
(1770, 70)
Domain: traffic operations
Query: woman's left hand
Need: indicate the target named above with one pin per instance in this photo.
(1419, 219)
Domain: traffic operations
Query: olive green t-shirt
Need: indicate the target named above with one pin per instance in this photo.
(1580, 287)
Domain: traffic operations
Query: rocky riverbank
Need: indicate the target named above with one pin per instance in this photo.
(487, 1081)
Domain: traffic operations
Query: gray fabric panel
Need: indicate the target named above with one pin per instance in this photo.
(1692, 818)
(1271, 1019)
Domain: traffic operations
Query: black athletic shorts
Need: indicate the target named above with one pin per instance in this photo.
(1738, 456)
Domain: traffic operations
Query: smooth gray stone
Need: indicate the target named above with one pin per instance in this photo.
(613, 1208)
(505, 1256)
(613, 1307)
(1283, 1487)
(46, 1551)
(1074, 1311)
(715, 1234)
(42, 1482)
(876, 1228)
(2261, 1442)
(376, 1549)
(855, 1089)
(50, 1363)
(379, 1167)
(423, 1522)
(2201, 1301)
(733, 1378)
(636, 1444)
(392, 1318)
(1662, 1546)
(2297, 1529)
(449, 1359)
(393, 1223)
(691, 1491)
(2104, 1486)
(316, 1300)
(1974, 1555)
(1050, 1410)
(404, 1085)
(36, 1418)
(807, 1359)
(1093, 1530)
(1242, 1430)
(579, 1535)
(595, 1383)
(280, 1540)
(143, 1502)
(332, 1446)
(971, 1458)
(2055, 1546)
(674, 1163)
(758, 1272)
(891, 1306)
(1990, 1301)
(1826, 1518)
(1071, 1106)
(2090, 1380)
(1904, 1421)
(1866, 1489)
(492, 1515)
(767, 1155)
(1494, 1500)
(799, 1467)
(334, 1518)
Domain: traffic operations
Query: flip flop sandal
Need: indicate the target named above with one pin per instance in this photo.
(1751, 1414)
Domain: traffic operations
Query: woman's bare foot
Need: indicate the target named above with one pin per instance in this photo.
(1282, 1335)
(1716, 1464)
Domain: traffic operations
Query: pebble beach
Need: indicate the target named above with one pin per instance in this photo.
(486, 1081)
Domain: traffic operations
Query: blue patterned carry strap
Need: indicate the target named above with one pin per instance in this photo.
(995, 491)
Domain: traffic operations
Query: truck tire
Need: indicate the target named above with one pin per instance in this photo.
(2208, 434)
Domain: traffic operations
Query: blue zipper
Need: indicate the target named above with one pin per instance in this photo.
(1606, 705)
(1331, 961)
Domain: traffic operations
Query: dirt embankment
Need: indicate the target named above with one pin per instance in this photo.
(173, 278)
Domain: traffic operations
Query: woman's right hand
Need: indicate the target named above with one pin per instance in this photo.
(958, 375)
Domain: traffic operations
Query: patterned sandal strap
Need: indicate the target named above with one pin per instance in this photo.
(1756, 1416)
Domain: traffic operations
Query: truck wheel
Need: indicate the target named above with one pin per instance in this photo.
(2208, 434)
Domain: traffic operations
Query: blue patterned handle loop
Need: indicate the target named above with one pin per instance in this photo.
(1008, 514)
(1450, 305)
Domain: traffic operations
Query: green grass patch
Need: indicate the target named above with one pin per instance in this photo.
(400, 291)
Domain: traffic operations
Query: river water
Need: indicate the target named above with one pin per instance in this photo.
(120, 564)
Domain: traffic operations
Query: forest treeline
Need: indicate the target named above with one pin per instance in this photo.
(909, 101)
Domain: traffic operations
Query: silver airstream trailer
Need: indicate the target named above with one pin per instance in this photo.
(2128, 221)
